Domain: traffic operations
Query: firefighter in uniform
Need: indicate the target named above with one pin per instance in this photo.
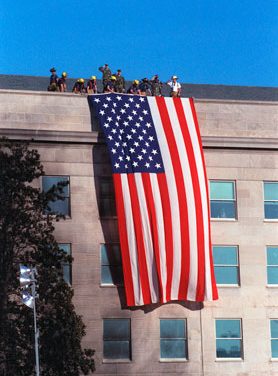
(92, 85)
(144, 87)
(110, 85)
(133, 89)
(62, 82)
(78, 87)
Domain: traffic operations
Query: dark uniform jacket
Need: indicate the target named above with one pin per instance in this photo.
(120, 84)
(110, 86)
(106, 73)
(156, 87)
(133, 89)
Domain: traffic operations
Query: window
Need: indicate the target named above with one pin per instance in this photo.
(116, 339)
(222, 199)
(111, 264)
(271, 200)
(272, 265)
(226, 266)
(228, 339)
(107, 198)
(173, 343)
(59, 206)
(274, 338)
(66, 266)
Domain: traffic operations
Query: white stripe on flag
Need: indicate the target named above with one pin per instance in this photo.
(173, 197)
(138, 296)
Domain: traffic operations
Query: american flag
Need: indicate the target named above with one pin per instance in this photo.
(161, 197)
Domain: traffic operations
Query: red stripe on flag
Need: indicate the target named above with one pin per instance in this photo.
(213, 281)
(153, 225)
(142, 263)
(124, 240)
(185, 242)
(200, 288)
(167, 216)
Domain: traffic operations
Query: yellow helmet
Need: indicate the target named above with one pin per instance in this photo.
(136, 82)
(64, 74)
(113, 78)
(93, 78)
(81, 80)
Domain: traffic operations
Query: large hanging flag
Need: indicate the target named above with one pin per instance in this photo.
(161, 197)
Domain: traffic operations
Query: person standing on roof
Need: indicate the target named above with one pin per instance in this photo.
(110, 86)
(92, 85)
(133, 89)
(106, 74)
(175, 87)
(78, 87)
(156, 86)
(144, 87)
(53, 80)
(120, 82)
(62, 82)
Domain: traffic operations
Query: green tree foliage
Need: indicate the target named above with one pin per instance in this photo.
(26, 237)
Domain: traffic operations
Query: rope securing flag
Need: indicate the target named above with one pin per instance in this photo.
(161, 197)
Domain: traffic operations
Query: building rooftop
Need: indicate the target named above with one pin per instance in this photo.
(205, 91)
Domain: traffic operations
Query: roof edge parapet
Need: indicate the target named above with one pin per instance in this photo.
(200, 91)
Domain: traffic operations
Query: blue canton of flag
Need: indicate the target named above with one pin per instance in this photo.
(130, 134)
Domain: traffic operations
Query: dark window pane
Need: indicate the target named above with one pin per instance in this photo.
(111, 264)
(222, 190)
(106, 187)
(272, 255)
(104, 254)
(67, 273)
(106, 276)
(271, 191)
(172, 329)
(274, 348)
(116, 350)
(228, 348)
(225, 255)
(274, 328)
(49, 181)
(271, 210)
(228, 329)
(173, 348)
(116, 329)
(65, 247)
(111, 275)
(107, 207)
(226, 275)
(110, 254)
(272, 275)
(222, 209)
(116, 253)
(60, 206)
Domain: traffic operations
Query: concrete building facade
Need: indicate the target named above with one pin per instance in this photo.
(241, 148)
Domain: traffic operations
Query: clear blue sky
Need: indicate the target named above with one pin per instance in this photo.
(202, 41)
